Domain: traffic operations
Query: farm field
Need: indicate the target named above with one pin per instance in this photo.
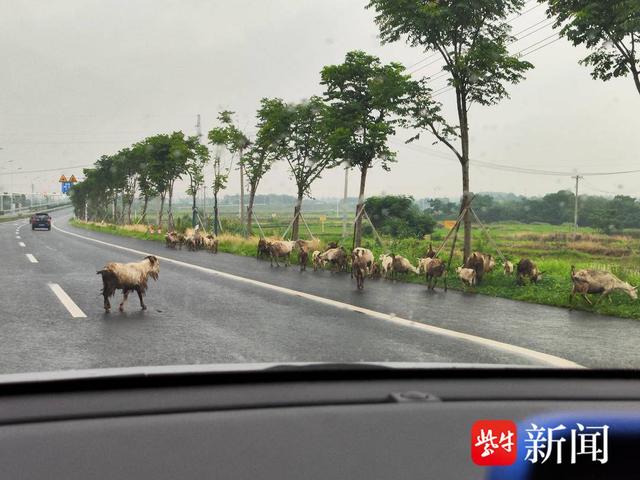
(554, 248)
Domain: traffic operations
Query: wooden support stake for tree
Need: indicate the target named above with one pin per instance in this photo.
(453, 247)
(305, 224)
(284, 235)
(375, 232)
(486, 230)
(258, 223)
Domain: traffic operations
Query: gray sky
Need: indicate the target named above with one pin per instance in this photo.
(81, 78)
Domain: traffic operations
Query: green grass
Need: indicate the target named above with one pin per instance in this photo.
(551, 247)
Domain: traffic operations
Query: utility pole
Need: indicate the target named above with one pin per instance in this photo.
(575, 204)
(344, 201)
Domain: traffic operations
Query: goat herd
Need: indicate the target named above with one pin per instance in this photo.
(130, 277)
(362, 264)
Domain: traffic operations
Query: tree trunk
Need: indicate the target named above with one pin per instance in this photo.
(241, 190)
(162, 197)
(636, 77)
(358, 226)
(295, 228)
(130, 204)
(466, 194)
(252, 196)
(144, 208)
(115, 208)
(194, 208)
(122, 208)
(216, 220)
(170, 226)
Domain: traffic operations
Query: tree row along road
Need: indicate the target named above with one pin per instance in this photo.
(195, 316)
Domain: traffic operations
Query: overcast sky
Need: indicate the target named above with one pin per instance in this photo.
(83, 78)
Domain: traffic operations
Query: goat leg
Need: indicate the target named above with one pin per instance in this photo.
(124, 300)
(142, 305)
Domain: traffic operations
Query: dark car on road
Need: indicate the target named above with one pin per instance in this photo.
(41, 220)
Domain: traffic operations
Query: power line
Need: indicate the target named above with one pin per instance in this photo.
(524, 170)
(507, 22)
(69, 167)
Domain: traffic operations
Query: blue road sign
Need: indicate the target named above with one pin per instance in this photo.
(65, 187)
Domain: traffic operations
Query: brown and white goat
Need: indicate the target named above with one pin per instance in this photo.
(527, 269)
(281, 249)
(467, 276)
(401, 265)
(360, 267)
(365, 253)
(434, 270)
(337, 257)
(128, 277)
(598, 282)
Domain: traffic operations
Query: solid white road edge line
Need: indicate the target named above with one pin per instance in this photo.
(31, 258)
(486, 342)
(66, 301)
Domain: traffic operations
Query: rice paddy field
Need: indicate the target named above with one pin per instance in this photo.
(554, 248)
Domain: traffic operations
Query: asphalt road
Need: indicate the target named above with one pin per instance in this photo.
(227, 309)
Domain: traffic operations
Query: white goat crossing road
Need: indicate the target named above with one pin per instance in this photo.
(31, 258)
(65, 299)
(21, 244)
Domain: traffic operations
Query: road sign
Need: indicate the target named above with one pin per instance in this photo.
(449, 224)
(63, 179)
(66, 186)
(73, 179)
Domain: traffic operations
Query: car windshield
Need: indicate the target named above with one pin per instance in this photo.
(427, 183)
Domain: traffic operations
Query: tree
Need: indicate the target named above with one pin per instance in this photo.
(302, 143)
(146, 185)
(366, 100)
(236, 142)
(263, 153)
(472, 38)
(399, 216)
(609, 28)
(197, 156)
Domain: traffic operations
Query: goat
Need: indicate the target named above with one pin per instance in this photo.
(527, 269)
(481, 263)
(337, 257)
(210, 243)
(400, 264)
(128, 277)
(434, 270)
(597, 281)
(303, 257)
(171, 240)
(263, 249)
(467, 275)
(423, 264)
(316, 260)
(375, 271)
(386, 262)
(360, 266)
(279, 249)
(364, 253)
(431, 253)
(507, 267)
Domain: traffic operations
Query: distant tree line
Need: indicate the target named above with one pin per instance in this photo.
(604, 213)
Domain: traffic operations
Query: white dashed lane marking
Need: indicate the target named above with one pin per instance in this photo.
(66, 301)
(31, 258)
(21, 244)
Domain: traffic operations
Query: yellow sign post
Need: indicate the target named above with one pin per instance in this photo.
(323, 218)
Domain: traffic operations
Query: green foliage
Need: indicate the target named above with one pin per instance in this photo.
(366, 100)
(610, 29)
(398, 216)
